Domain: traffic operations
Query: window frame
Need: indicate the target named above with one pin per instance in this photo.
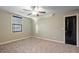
(16, 24)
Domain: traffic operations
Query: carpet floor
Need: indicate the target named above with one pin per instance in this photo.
(35, 45)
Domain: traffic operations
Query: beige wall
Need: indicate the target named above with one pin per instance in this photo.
(54, 27)
(6, 33)
(51, 27)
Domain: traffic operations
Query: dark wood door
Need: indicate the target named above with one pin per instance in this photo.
(70, 30)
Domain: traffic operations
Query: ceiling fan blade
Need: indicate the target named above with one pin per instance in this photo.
(26, 10)
(42, 12)
(29, 14)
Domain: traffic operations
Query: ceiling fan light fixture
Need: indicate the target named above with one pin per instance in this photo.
(34, 13)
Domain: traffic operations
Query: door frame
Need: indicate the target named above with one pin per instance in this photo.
(76, 14)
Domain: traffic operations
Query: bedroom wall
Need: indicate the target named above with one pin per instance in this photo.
(53, 27)
(6, 33)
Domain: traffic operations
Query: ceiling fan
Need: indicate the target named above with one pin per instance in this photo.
(35, 10)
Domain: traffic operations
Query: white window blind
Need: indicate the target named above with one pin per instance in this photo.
(16, 24)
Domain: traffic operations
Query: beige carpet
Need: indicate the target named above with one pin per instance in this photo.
(35, 45)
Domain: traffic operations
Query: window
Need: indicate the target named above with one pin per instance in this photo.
(16, 24)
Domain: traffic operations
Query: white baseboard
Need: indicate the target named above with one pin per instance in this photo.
(48, 39)
(34, 37)
(51, 40)
(14, 40)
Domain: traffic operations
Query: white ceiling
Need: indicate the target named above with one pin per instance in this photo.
(49, 9)
(61, 8)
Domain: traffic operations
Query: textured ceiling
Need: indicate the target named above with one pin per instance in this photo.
(61, 8)
(49, 9)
